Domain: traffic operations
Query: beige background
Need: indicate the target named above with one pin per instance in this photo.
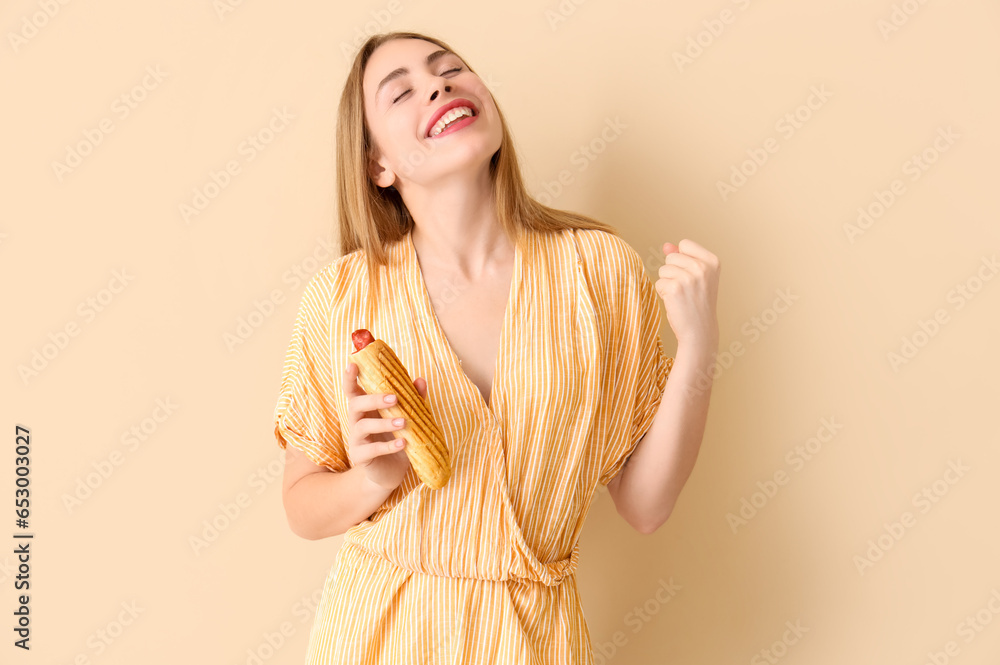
(682, 128)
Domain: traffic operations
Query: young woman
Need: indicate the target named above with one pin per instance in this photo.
(533, 334)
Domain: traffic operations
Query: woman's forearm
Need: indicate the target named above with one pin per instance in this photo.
(661, 463)
(327, 504)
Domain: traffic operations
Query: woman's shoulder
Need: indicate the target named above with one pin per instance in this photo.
(337, 279)
(605, 253)
(614, 272)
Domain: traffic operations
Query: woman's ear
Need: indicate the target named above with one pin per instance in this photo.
(380, 175)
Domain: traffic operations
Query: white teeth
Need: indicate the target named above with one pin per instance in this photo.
(448, 117)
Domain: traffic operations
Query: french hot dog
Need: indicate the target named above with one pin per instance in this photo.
(380, 371)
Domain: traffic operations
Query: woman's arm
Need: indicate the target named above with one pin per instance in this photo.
(647, 487)
(320, 503)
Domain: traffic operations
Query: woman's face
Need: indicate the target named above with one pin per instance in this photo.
(404, 89)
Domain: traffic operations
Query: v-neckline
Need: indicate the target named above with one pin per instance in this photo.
(422, 298)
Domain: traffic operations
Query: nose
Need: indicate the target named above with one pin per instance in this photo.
(434, 95)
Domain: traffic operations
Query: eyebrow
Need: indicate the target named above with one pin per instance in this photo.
(402, 71)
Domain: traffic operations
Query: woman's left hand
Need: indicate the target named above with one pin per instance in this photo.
(689, 285)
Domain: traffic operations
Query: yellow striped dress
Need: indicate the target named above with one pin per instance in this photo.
(482, 570)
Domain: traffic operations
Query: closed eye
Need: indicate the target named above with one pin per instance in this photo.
(455, 69)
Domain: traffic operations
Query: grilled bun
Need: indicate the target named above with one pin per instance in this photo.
(380, 371)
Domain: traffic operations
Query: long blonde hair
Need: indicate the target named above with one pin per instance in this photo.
(372, 218)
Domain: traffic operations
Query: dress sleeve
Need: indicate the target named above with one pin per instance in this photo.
(637, 367)
(306, 413)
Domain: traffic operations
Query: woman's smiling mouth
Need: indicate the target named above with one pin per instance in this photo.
(453, 126)
(454, 115)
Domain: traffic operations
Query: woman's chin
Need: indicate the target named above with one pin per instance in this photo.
(467, 157)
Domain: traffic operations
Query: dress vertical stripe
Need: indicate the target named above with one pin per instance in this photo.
(483, 569)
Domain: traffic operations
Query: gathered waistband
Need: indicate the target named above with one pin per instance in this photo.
(518, 569)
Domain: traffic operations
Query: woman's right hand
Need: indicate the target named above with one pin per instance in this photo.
(370, 443)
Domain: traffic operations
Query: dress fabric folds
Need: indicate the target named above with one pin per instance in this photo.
(482, 570)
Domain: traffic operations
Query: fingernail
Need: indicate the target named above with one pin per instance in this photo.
(390, 398)
(397, 422)
(399, 443)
